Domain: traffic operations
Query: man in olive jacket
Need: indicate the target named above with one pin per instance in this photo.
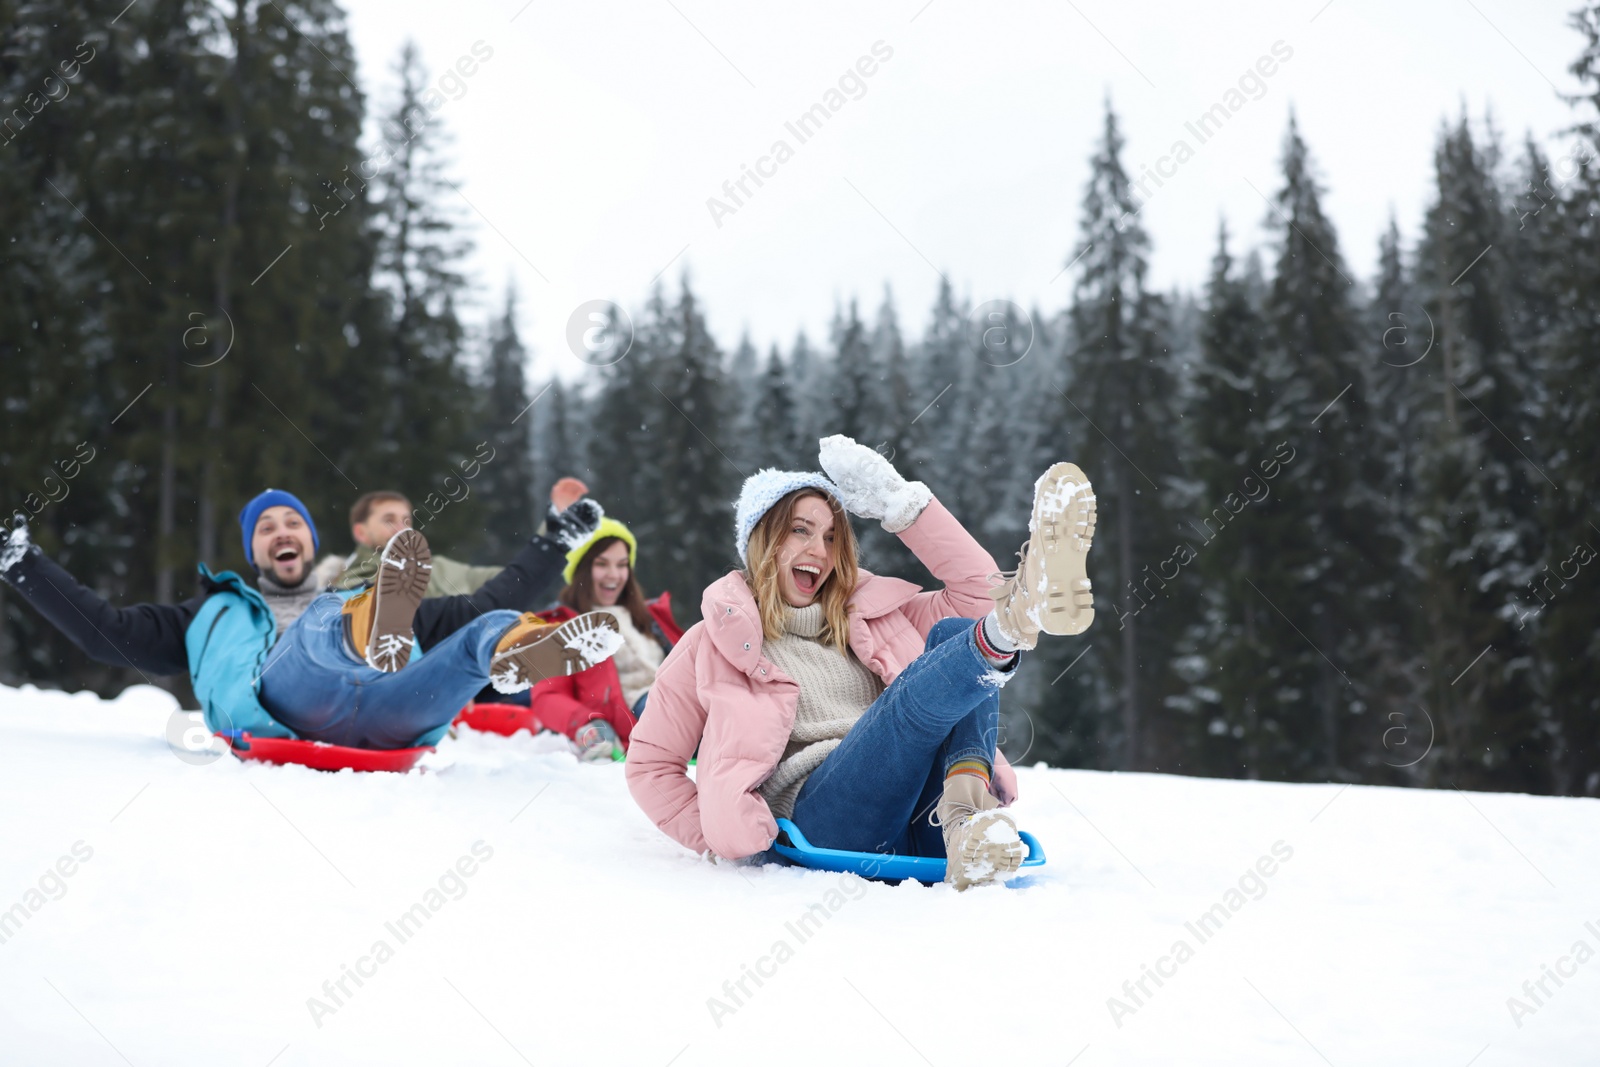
(379, 515)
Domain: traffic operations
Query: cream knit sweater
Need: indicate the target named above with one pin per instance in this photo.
(638, 658)
(835, 690)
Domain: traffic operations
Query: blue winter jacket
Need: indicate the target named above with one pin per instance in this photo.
(227, 646)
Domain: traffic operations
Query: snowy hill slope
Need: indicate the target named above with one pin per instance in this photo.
(512, 906)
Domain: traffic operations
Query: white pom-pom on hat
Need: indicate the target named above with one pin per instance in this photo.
(765, 488)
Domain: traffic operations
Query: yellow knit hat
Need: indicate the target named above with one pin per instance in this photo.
(607, 528)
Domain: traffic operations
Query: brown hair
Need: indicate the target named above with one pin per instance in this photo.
(579, 594)
(766, 541)
(364, 504)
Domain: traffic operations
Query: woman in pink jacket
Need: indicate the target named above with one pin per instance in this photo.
(860, 706)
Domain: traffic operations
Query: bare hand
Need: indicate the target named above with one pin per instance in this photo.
(566, 492)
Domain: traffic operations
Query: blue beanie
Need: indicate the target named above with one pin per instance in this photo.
(765, 488)
(272, 498)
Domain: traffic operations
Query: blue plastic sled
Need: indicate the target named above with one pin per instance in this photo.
(793, 846)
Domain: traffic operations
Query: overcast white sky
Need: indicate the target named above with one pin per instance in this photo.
(591, 139)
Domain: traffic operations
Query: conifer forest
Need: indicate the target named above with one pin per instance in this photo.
(1346, 523)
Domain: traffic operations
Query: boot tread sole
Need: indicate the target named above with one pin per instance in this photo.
(1002, 857)
(395, 596)
(1066, 537)
(547, 655)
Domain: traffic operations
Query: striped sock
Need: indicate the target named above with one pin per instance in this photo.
(994, 646)
(977, 767)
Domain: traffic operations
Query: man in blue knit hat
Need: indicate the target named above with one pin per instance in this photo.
(280, 543)
(283, 658)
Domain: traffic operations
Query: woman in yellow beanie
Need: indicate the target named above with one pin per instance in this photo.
(598, 707)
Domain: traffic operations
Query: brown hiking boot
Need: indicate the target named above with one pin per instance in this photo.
(981, 843)
(378, 621)
(1049, 591)
(533, 650)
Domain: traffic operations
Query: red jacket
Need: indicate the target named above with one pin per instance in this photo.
(564, 704)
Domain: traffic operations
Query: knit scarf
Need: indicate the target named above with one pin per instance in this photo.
(835, 690)
(287, 604)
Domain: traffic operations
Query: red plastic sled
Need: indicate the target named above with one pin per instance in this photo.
(505, 719)
(323, 757)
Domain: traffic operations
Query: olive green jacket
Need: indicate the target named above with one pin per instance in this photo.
(450, 577)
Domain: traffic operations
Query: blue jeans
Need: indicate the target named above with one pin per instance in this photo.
(523, 699)
(875, 791)
(314, 684)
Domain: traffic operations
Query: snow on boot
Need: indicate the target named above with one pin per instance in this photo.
(533, 650)
(1049, 591)
(981, 843)
(379, 620)
(597, 742)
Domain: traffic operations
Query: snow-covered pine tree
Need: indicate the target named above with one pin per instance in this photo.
(229, 123)
(1029, 440)
(184, 169)
(1401, 363)
(627, 414)
(683, 534)
(561, 422)
(1396, 338)
(289, 250)
(504, 487)
(1482, 483)
(942, 409)
(1009, 419)
(1227, 655)
(743, 375)
(1122, 406)
(1559, 605)
(891, 401)
(776, 437)
(809, 381)
(1340, 564)
(855, 378)
(430, 415)
(893, 366)
(1530, 241)
(859, 407)
(61, 377)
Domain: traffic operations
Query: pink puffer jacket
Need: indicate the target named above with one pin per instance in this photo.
(716, 690)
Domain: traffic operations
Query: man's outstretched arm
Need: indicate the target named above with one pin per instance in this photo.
(146, 637)
(525, 583)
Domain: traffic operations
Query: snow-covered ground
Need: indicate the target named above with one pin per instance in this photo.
(212, 910)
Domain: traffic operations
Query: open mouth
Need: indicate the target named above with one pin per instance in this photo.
(285, 553)
(806, 578)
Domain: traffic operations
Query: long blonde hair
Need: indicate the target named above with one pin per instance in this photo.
(761, 574)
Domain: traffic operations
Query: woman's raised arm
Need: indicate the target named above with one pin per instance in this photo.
(954, 557)
(871, 488)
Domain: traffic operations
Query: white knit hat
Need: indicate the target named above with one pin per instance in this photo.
(765, 488)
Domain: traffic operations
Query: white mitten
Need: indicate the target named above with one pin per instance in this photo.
(869, 486)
